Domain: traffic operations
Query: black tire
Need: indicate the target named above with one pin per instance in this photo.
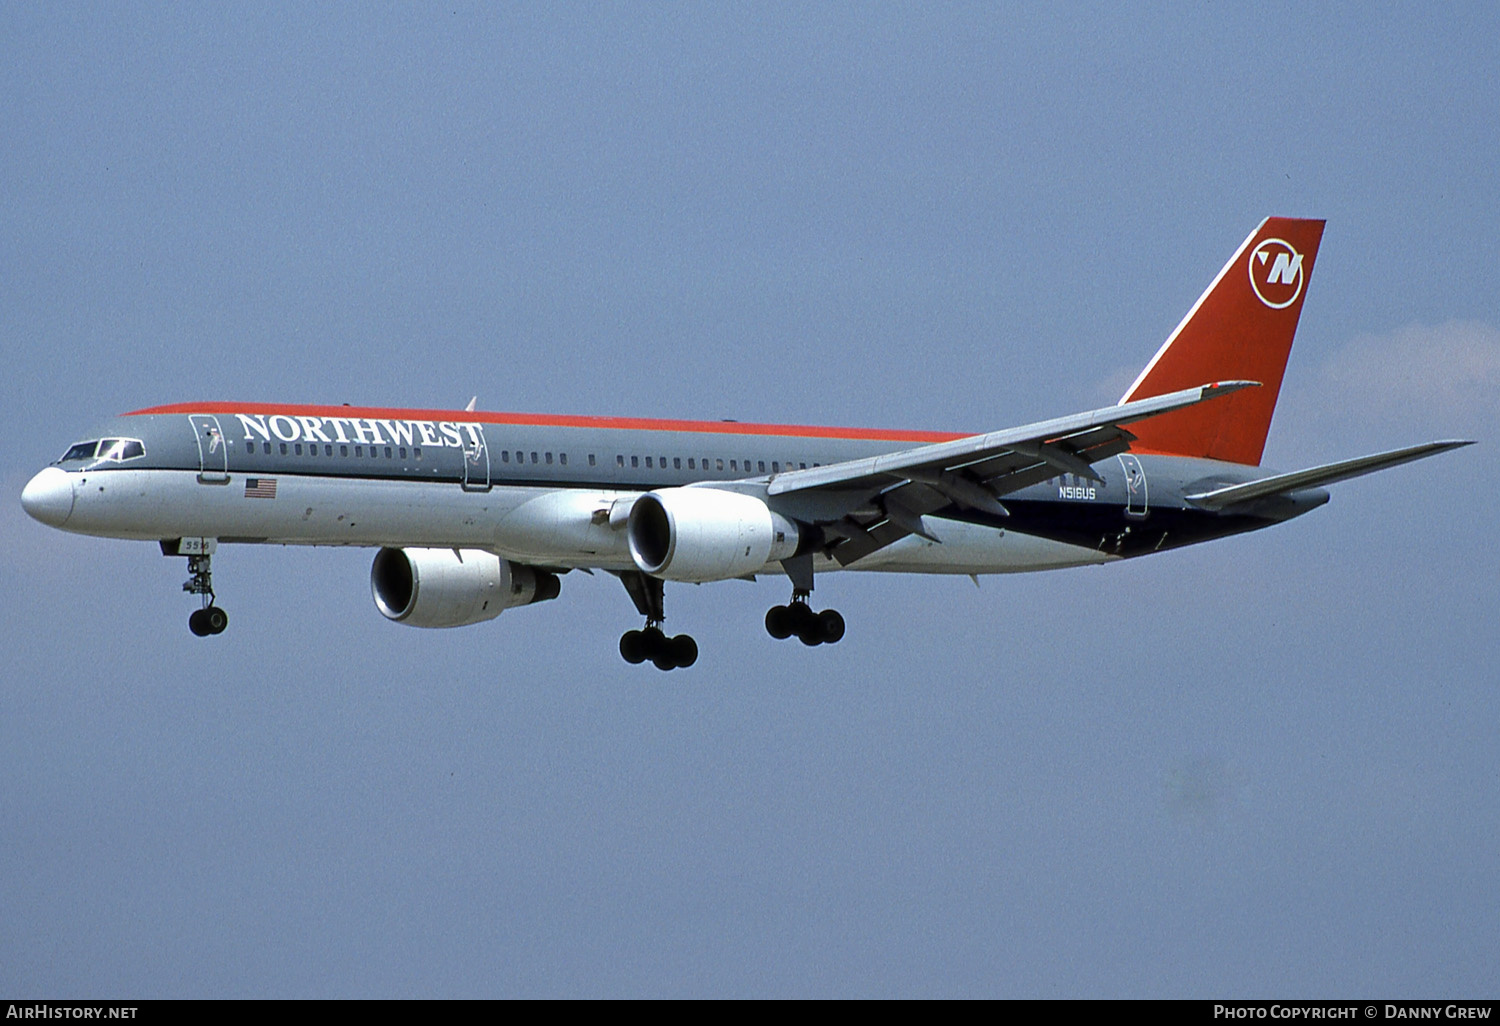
(655, 642)
(832, 624)
(217, 620)
(802, 618)
(198, 623)
(779, 622)
(806, 625)
(684, 651)
(633, 647)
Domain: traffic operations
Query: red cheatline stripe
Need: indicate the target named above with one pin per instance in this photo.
(712, 427)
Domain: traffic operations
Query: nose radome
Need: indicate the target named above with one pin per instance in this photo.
(48, 497)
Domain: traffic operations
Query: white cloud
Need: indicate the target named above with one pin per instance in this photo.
(1411, 384)
(1449, 370)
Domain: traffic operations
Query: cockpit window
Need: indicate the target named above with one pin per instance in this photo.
(80, 451)
(120, 449)
(116, 450)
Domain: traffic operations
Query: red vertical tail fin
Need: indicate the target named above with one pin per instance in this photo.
(1241, 329)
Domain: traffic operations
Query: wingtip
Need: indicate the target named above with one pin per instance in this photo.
(1229, 386)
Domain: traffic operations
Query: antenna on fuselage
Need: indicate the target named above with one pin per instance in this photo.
(470, 408)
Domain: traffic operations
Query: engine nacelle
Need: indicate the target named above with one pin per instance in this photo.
(453, 588)
(706, 534)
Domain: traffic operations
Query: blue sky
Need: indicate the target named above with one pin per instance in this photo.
(1263, 767)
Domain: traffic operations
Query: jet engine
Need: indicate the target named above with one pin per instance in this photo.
(453, 587)
(706, 534)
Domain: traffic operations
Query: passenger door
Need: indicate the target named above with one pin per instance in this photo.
(1136, 497)
(476, 464)
(213, 450)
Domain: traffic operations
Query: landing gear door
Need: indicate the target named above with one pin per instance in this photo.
(213, 450)
(476, 462)
(1136, 498)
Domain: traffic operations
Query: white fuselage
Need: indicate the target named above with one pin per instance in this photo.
(572, 528)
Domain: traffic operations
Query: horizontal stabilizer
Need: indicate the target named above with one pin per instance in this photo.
(1314, 477)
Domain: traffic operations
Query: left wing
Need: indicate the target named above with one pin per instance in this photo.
(891, 493)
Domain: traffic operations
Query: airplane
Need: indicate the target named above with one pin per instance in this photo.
(473, 513)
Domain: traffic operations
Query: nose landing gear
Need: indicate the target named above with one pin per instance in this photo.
(210, 619)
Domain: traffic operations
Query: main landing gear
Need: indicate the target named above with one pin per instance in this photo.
(665, 653)
(825, 628)
(210, 619)
(651, 643)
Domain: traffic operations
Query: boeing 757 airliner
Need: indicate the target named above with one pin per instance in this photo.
(473, 513)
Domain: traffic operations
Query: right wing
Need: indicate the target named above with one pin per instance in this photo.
(881, 499)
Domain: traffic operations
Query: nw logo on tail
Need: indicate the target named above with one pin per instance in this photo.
(1276, 273)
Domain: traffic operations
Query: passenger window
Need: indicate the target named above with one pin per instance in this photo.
(635, 461)
(343, 450)
(504, 455)
(298, 447)
(719, 463)
(549, 459)
(283, 448)
(761, 466)
(534, 460)
(416, 452)
(562, 458)
(359, 450)
(402, 451)
(591, 459)
(676, 462)
(520, 456)
(328, 450)
(619, 461)
(691, 464)
(388, 452)
(648, 462)
(775, 467)
(802, 466)
(663, 463)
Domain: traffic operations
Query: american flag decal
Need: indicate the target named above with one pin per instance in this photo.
(260, 488)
